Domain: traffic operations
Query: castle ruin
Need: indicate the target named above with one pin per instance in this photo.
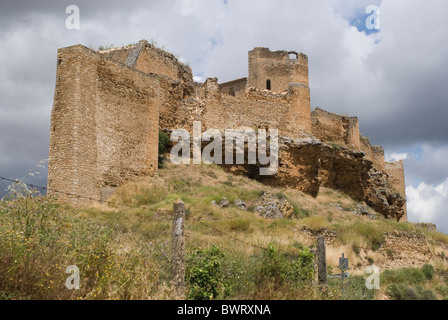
(110, 105)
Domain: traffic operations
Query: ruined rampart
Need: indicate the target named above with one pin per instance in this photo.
(104, 125)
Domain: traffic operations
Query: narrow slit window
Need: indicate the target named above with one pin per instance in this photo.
(268, 84)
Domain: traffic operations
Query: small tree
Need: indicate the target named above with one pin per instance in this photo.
(204, 275)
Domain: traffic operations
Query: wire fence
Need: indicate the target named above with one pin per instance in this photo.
(116, 204)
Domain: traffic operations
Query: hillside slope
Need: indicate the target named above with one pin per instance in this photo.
(123, 248)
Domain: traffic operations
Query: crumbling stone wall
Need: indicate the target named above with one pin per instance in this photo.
(395, 170)
(258, 109)
(344, 130)
(404, 249)
(330, 127)
(153, 60)
(104, 125)
(234, 88)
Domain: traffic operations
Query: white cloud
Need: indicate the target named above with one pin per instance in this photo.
(396, 156)
(198, 78)
(428, 203)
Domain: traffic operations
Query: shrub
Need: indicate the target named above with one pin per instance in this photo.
(38, 242)
(390, 253)
(356, 248)
(354, 288)
(402, 291)
(163, 142)
(428, 271)
(204, 275)
(405, 275)
(278, 270)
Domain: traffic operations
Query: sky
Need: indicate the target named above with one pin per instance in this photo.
(394, 79)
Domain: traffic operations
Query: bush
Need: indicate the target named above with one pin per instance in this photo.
(428, 271)
(402, 291)
(151, 195)
(356, 248)
(277, 269)
(163, 142)
(204, 275)
(406, 275)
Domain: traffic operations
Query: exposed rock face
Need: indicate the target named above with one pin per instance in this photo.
(272, 207)
(307, 164)
(224, 203)
(362, 211)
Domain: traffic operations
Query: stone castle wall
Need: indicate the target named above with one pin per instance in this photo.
(109, 106)
(395, 170)
(344, 130)
(234, 88)
(104, 125)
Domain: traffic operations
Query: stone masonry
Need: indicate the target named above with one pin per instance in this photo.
(109, 106)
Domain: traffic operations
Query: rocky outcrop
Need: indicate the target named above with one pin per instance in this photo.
(274, 207)
(307, 164)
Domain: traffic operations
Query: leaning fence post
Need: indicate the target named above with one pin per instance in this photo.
(178, 247)
(321, 262)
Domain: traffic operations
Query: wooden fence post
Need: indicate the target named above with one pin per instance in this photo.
(321, 262)
(178, 247)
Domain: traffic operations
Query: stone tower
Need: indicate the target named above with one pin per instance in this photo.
(275, 70)
(283, 71)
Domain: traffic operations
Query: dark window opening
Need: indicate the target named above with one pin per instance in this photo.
(268, 84)
(293, 55)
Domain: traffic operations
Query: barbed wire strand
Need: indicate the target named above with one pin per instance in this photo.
(130, 206)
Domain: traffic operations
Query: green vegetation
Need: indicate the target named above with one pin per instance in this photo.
(123, 249)
(164, 139)
(412, 283)
(204, 275)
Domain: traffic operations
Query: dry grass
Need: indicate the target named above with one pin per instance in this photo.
(134, 243)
